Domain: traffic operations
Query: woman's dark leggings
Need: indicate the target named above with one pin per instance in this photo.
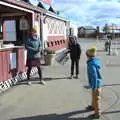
(39, 72)
(76, 63)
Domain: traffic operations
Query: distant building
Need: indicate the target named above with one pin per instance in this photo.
(112, 29)
(87, 31)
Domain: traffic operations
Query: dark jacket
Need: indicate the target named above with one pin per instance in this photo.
(94, 75)
(75, 51)
(33, 47)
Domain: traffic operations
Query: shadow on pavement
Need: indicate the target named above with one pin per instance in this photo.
(36, 80)
(100, 50)
(55, 78)
(111, 84)
(87, 87)
(66, 116)
(111, 112)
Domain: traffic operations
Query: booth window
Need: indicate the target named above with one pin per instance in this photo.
(10, 30)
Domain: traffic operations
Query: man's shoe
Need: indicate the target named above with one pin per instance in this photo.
(42, 82)
(94, 116)
(90, 108)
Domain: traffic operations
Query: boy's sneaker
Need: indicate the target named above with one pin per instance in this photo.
(90, 108)
(94, 116)
(42, 82)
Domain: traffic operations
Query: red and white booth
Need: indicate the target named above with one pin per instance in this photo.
(54, 31)
(16, 21)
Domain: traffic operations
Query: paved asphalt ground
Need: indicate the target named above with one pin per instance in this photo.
(62, 98)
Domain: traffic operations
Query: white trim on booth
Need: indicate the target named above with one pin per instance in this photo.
(16, 7)
(19, 8)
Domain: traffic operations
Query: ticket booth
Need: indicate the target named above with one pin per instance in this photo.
(16, 21)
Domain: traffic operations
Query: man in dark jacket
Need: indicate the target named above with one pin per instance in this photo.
(75, 53)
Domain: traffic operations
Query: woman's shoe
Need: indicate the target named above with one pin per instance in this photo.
(71, 77)
(76, 77)
(29, 83)
(42, 82)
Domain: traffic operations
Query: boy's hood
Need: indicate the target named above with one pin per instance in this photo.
(94, 61)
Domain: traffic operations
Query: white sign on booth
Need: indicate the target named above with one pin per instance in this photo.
(45, 34)
(24, 24)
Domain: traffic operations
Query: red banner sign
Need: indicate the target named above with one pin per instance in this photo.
(47, 1)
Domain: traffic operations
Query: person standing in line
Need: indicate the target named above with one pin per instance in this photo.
(33, 46)
(109, 43)
(95, 81)
(75, 53)
(108, 46)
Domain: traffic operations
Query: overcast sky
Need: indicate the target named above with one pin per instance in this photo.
(89, 12)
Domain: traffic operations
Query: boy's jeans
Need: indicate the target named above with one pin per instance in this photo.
(96, 100)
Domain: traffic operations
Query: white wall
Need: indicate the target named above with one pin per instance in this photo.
(45, 34)
(75, 27)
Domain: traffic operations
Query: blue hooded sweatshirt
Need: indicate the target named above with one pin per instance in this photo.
(94, 75)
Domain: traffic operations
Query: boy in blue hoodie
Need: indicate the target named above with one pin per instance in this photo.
(95, 81)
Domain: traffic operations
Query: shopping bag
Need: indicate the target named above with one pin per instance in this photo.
(64, 61)
(62, 57)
